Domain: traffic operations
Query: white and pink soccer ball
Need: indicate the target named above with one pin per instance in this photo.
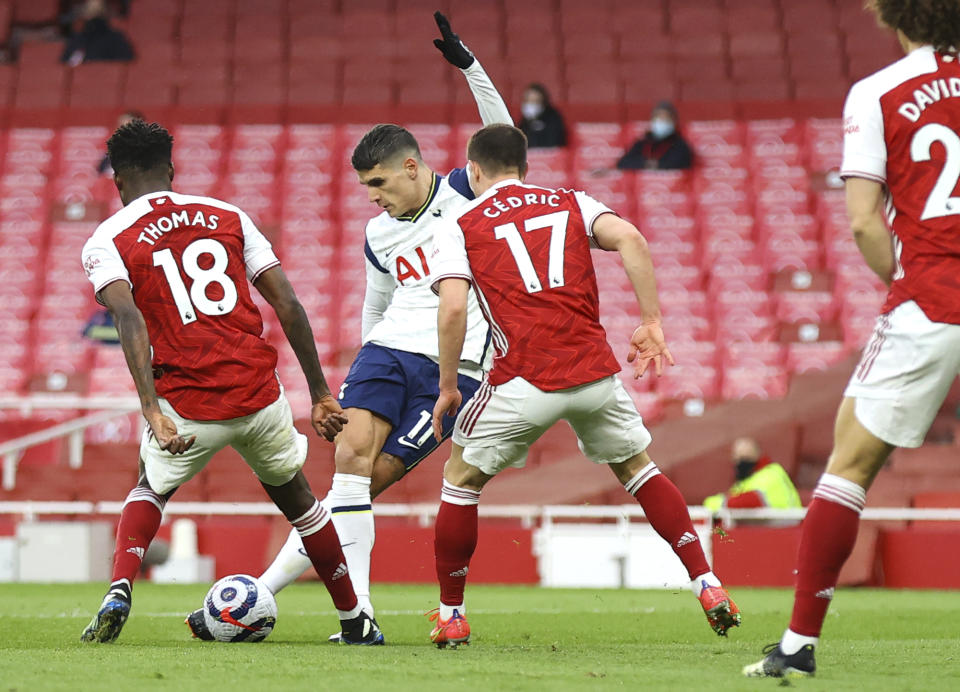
(240, 608)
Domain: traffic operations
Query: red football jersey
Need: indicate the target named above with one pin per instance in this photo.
(526, 249)
(901, 128)
(187, 260)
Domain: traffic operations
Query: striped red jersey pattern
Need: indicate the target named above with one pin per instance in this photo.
(526, 250)
(187, 260)
(902, 129)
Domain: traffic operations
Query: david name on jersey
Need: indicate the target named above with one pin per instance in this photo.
(927, 95)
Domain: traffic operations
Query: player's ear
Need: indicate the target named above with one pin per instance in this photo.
(523, 171)
(118, 181)
(170, 172)
(411, 167)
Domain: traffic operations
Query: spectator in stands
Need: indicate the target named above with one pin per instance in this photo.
(125, 117)
(97, 39)
(759, 481)
(100, 327)
(662, 147)
(540, 121)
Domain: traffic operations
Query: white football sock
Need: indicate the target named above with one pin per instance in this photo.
(446, 611)
(349, 504)
(793, 642)
(697, 585)
(290, 563)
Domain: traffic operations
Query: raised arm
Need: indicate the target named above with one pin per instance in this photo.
(135, 341)
(489, 102)
(326, 415)
(647, 343)
(865, 211)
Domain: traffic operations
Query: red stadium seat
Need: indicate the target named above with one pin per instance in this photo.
(729, 274)
(689, 381)
(756, 43)
(662, 223)
(747, 354)
(791, 252)
(757, 69)
(675, 275)
(650, 44)
(756, 17)
(806, 306)
(785, 222)
(696, 69)
(699, 353)
(811, 357)
(754, 382)
(724, 195)
(8, 80)
(97, 84)
(720, 247)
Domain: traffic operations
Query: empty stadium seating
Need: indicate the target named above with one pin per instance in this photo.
(266, 98)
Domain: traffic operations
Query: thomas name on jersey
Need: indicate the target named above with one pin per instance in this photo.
(927, 95)
(165, 224)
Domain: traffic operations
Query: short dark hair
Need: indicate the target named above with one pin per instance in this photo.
(381, 144)
(498, 148)
(139, 146)
(936, 22)
(542, 90)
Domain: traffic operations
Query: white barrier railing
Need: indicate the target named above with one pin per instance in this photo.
(13, 450)
(425, 512)
(48, 401)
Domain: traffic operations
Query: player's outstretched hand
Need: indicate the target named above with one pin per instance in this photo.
(327, 418)
(448, 403)
(165, 431)
(648, 345)
(450, 45)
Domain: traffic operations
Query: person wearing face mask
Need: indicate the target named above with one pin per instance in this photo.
(759, 481)
(662, 147)
(540, 121)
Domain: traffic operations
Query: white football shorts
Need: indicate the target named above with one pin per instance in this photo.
(267, 440)
(498, 425)
(904, 374)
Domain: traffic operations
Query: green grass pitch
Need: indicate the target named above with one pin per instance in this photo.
(524, 638)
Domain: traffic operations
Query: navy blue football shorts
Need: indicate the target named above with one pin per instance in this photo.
(402, 388)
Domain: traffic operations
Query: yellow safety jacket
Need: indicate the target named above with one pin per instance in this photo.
(771, 482)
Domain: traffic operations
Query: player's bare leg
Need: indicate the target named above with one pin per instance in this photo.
(349, 499)
(455, 541)
(322, 545)
(362, 472)
(139, 521)
(826, 541)
(667, 513)
(291, 561)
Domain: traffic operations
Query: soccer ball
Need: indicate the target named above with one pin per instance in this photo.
(239, 608)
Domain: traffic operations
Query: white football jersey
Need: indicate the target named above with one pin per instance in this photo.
(398, 253)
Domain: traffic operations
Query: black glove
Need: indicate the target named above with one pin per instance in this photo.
(450, 45)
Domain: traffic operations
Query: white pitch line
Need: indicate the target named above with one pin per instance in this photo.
(391, 613)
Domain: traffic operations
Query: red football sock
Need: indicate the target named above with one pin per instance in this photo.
(139, 521)
(322, 545)
(667, 513)
(826, 541)
(455, 540)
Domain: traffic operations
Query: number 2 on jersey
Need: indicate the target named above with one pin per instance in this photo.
(188, 304)
(557, 223)
(939, 202)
